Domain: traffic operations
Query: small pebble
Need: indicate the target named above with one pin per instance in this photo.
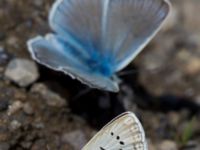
(13, 108)
(174, 118)
(14, 125)
(12, 41)
(26, 145)
(52, 98)
(22, 71)
(28, 109)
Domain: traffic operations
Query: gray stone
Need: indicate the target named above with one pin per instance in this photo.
(28, 109)
(22, 71)
(14, 125)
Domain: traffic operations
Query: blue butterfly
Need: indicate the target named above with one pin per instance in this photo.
(94, 39)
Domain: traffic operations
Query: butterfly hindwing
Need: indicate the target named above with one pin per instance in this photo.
(123, 133)
(50, 52)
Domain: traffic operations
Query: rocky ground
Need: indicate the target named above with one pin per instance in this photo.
(43, 109)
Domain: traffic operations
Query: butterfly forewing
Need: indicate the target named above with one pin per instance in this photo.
(123, 133)
(130, 25)
(80, 19)
(119, 28)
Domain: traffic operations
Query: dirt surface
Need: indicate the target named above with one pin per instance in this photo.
(58, 113)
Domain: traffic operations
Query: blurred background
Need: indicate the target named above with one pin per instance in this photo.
(44, 109)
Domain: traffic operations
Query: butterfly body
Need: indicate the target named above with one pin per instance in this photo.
(123, 133)
(93, 60)
(94, 39)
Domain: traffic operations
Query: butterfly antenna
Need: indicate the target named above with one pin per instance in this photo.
(81, 93)
(134, 71)
(127, 72)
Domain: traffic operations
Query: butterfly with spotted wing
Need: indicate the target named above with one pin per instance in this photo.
(125, 132)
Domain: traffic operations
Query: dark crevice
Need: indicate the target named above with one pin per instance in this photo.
(98, 107)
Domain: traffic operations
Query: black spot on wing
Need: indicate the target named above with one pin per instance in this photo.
(121, 143)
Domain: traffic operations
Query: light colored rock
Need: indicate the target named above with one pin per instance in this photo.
(174, 118)
(190, 61)
(52, 98)
(22, 71)
(167, 145)
(28, 109)
(75, 138)
(12, 40)
(14, 107)
(14, 125)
